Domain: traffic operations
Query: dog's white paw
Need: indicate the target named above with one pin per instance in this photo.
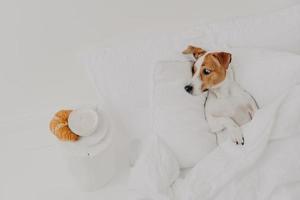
(237, 137)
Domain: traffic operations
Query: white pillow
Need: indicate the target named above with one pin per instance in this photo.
(178, 117)
(278, 30)
(122, 73)
(265, 73)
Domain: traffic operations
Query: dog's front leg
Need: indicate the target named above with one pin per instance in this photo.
(214, 125)
(233, 128)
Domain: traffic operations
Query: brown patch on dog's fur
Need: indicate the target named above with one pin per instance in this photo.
(59, 126)
(196, 51)
(217, 63)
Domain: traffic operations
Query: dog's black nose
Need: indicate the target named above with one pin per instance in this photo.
(188, 88)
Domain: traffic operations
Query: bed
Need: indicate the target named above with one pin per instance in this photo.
(147, 102)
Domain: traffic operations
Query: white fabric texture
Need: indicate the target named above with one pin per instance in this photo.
(278, 30)
(178, 117)
(122, 70)
(265, 73)
(122, 73)
(268, 162)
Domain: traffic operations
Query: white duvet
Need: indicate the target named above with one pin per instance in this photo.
(267, 167)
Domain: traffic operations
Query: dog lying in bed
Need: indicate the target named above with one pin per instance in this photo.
(227, 106)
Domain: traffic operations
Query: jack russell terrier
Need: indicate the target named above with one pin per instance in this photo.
(228, 106)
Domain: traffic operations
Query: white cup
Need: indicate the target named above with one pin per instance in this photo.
(91, 159)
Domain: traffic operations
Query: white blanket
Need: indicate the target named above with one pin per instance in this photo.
(267, 167)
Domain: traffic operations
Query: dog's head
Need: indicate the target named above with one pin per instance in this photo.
(208, 70)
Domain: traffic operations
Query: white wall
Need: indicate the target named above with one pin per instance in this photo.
(40, 39)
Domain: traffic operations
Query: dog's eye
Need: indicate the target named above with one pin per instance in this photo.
(206, 71)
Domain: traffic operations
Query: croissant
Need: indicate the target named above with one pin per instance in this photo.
(60, 128)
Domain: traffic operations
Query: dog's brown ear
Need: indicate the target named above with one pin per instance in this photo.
(223, 58)
(196, 51)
